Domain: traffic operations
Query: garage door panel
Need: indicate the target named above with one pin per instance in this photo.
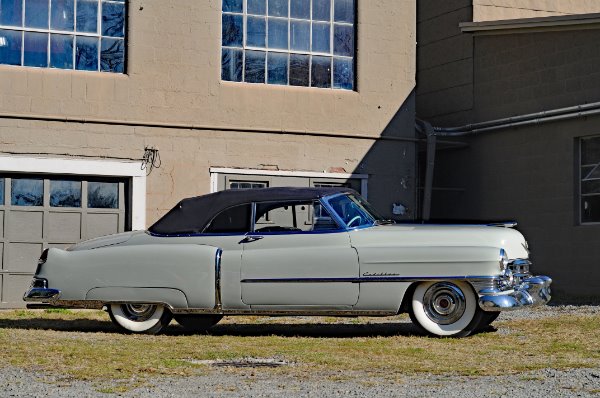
(14, 286)
(25, 225)
(64, 227)
(23, 257)
(39, 211)
(102, 224)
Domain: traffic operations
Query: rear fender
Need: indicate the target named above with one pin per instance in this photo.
(109, 272)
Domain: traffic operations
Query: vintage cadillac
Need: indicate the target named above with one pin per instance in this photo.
(292, 251)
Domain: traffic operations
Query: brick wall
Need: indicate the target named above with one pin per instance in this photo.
(444, 61)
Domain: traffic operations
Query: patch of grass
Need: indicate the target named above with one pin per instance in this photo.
(57, 311)
(84, 345)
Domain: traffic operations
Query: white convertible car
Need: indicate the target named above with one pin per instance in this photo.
(292, 251)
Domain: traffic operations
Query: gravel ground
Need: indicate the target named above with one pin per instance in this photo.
(261, 382)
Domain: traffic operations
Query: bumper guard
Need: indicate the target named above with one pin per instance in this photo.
(530, 292)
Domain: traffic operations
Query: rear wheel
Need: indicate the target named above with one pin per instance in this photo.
(197, 323)
(140, 318)
(446, 309)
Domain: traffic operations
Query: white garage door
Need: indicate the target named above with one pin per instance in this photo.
(42, 211)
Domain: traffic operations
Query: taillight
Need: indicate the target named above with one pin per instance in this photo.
(41, 261)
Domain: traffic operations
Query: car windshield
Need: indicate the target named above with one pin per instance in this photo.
(354, 211)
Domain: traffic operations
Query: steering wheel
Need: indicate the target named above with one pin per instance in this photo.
(354, 219)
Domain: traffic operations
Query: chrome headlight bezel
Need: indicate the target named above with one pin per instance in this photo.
(503, 260)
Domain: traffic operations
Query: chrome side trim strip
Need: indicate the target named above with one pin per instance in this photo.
(287, 312)
(218, 304)
(366, 279)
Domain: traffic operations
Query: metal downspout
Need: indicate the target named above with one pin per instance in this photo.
(430, 165)
(573, 112)
(424, 127)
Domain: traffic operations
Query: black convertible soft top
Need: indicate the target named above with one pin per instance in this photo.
(191, 215)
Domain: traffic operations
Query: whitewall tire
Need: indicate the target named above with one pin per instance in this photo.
(140, 318)
(445, 309)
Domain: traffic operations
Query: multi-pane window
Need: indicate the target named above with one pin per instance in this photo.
(66, 34)
(306, 43)
(247, 185)
(590, 180)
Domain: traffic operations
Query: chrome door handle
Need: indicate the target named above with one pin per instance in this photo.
(251, 238)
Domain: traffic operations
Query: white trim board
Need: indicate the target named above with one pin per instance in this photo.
(215, 171)
(87, 167)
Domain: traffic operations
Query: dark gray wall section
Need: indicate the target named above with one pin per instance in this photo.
(530, 174)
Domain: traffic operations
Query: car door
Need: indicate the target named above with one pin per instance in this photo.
(298, 256)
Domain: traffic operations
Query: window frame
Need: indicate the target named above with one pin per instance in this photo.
(580, 181)
(22, 29)
(266, 50)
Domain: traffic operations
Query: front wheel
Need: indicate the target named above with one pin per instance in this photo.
(140, 318)
(446, 309)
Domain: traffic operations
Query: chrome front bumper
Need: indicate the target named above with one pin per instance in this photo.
(530, 292)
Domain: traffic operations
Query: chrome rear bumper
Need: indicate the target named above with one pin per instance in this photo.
(530, 292)
(39, 292)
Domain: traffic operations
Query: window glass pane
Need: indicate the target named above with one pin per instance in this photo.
(255, 67)
(343, 40)
(232, 30)
(232, 5)
(257, 7)
(65, 193)
(277, 66)
(247, 185)
(87, 16)
(321, 38)
(278, 8)
(113, 19)
(321, 72)
(300, 9)
(36, 14)
(590, 208)
(231, 64)
(112, 55)
(61, 17)
(592, 186)
(36, 49)
(103, 195)
(1, 191)
(343, 73)
(27, 192)
(344, 11)
(86, 53)
(10, 47)
(300, 35)
(256, 32)
(322, 220)
(321, 10)
(61, 51)
(233, 220)
(11, 12)
(278, 33)
(299, 70)
(286, 217)
(590, 151)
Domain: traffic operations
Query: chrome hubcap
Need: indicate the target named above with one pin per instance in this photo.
(138, 312)
(444, 303)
